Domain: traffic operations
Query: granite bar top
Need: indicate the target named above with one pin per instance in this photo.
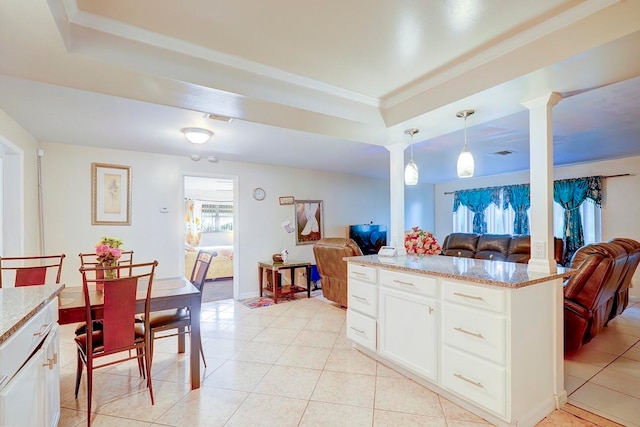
(17, 305)
(495, 273)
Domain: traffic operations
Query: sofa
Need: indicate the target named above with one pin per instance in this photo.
(329, 254)
(497, 247)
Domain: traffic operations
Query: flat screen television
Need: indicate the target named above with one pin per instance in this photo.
(369, 237)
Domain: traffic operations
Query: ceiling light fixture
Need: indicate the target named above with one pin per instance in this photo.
(197, 135)
(411, 170)
(465, 159)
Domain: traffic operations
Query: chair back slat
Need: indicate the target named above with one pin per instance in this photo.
(31, 276)
(201, 267)
(30, 270)
(119, 313)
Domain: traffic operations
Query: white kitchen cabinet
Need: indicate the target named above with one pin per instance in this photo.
(409, 331)
(30, 388)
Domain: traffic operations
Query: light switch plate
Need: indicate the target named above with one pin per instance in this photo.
(538, 250)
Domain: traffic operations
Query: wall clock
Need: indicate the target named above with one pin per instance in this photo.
(259, 193)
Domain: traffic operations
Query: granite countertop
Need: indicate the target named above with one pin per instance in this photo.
(495, 273)
(17, 305)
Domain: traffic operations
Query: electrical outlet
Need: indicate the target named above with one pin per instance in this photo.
(538, 250)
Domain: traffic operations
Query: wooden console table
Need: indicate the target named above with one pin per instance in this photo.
(276, 286)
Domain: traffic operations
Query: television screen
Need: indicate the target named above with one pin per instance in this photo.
(369, 237)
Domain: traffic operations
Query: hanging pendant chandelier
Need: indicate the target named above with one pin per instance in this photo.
(411, 170)
(465, 165)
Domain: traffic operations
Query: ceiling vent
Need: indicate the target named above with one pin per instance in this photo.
(503, 152)
(218, 117)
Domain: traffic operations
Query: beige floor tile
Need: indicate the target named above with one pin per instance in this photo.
(618, 381)
(276, 335)
(626, 366)
(608, 403)
(260, 352)
(322, 414)
(237, 375)
(572, 383)
(180, 372)
(460, 423)
(221, 348)
(275, 310)
(454, 412)
(316, 339)
(342, 342)
(395, 419)
(303, 311)
(580, 370)
(111, 421)
(256, 320)
(304, 357)
(404, 395)
(204, 407)
(350, 361)
(268, 411)
(137, 405)
(633, 352)
(238, 332)
(345, 388)
(385, 371)
(70, 417)
(330, 324)
(612, 342)
(288, 322)
(289, 381)
(589, 416)
(588, 354)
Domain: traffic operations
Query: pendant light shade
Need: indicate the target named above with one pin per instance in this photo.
(411, 170)
(465, 165)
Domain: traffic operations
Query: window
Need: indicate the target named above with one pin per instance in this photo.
(217, 217)
(501, 221)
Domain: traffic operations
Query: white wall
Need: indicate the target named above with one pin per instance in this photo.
(157, 181)
(22, 235)
(419, 208)
(620, 208)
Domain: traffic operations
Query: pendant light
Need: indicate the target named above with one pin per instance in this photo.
(411, 170)
(465, 159)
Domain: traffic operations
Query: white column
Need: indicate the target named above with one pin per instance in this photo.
(541, 179)
(396, 180)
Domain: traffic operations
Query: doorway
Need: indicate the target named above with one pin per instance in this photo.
(11, 199)
(209, 224)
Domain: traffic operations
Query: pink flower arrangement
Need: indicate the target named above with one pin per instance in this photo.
(108, 249)
(418, 241)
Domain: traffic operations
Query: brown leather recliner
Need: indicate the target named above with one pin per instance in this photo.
(621, 298)
(589, 294)
(329, 255)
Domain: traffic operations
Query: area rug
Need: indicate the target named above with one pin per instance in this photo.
(257, 302)
(217, 290)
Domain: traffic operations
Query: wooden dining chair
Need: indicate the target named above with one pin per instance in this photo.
(181, 318)
(90, 259)
(120, 331)
(31, 270)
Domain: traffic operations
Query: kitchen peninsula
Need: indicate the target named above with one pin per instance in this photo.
(29, 348)
(487, 335)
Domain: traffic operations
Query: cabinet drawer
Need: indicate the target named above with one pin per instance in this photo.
(363, 297)
(477, 380)
(361, 329)
(474, 331)
(361, 272)
(414, 283)
(474, 296)
(21, 344)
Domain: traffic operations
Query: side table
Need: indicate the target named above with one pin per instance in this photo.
(275, 287)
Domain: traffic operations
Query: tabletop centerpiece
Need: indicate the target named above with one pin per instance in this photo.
(417, 241)
(107, 254)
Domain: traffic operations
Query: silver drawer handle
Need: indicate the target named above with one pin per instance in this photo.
(403, 283)
(464, 331)
(44, 330)
(358, 298)
(458, 294)
(463, 378)
(357, 273)
(358, 330)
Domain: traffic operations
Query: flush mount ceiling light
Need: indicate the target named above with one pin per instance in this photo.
(411, 170)
(465, 159)
(197, 135)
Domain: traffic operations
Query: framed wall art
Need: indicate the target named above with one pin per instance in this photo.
(309, 221)
(286, 200)
(110, 194)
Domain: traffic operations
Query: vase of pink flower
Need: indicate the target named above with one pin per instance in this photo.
(417, 241)
(108, 252)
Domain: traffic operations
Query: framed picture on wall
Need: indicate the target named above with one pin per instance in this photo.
(110, 194)
(309, 221)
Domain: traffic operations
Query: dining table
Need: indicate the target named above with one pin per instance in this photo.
(166, 294)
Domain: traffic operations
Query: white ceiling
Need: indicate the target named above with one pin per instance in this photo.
(325, 85)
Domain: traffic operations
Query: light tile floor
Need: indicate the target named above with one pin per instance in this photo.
(290, 364)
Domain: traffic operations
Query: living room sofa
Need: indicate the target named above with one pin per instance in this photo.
(497, 247)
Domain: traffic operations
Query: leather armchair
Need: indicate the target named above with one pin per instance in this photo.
(621, 297)
(329, 254)
(589, 294)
